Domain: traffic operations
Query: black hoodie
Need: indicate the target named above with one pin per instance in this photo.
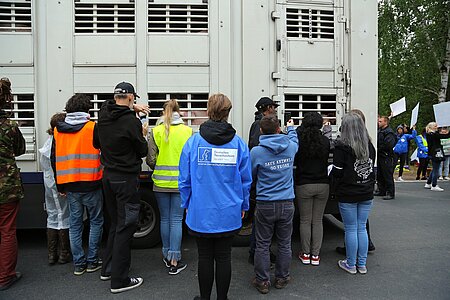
(120, 138)
(217, 133)
(255, 132)
(355, 179)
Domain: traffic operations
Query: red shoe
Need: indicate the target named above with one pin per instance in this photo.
(305, 258)
(315, 260)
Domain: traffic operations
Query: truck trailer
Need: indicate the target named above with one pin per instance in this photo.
(307, 55)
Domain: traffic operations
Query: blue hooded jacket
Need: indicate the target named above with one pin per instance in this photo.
(422, 149)
(272, 166)
(402, 144)
(215, 178)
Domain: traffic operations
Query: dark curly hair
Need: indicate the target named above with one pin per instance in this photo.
(310, 136)
(5, 92)
(78, 103)
(54, 120)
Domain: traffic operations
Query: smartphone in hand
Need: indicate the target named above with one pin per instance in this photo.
(287, 117)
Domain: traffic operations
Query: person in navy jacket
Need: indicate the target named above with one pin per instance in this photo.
(422, 155)
(272, 165)
(401, 148)
(214, 184)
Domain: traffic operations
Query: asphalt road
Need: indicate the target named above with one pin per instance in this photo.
(411, 261)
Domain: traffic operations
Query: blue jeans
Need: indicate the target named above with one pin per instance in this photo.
(93, 201)
(273, 217)
(171, 224)
(354, 216)
(433, 178)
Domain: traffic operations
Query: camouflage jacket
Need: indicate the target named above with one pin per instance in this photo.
(12, 144)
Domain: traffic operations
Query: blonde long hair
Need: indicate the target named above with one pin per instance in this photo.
(169, 107)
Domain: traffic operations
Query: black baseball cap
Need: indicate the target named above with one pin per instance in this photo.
(265, 101)
(125, 88)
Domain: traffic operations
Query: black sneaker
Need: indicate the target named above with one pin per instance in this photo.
(11, 282)
(134, 283)
(94, 266)
(105, 277)
(174, 270)
(166, 262)
(79, 270)
(371, 246)
(388, 197)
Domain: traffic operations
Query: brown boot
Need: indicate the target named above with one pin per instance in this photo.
(64, 247)
(52, 245)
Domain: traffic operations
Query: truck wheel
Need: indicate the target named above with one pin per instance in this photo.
(147, 235)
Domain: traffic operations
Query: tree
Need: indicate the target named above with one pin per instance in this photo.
(414, 55)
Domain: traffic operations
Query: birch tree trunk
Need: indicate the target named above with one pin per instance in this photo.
(444, 71)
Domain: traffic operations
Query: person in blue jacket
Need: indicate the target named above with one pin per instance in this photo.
(422, 155)
(272, 165)
(401, 148)
(214, 184)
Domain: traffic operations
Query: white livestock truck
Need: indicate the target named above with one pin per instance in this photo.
(309, 55)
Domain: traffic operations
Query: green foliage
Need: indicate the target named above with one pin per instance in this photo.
(412, 41)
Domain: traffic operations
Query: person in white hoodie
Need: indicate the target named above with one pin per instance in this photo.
(55, 204)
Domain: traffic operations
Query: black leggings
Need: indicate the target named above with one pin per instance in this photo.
(423, 165)
(402, 162)
(218, 250)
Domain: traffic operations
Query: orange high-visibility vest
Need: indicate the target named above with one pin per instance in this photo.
(76, 157)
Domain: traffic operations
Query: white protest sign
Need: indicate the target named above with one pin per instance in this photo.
(398, 107)
(442, 114)
(414, 115)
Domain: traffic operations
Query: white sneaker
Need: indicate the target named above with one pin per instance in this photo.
(437, 189)
(427, 186)
(400, 179)
(441, 178)
(446, 178)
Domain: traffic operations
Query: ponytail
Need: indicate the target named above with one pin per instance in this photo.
(169, 107)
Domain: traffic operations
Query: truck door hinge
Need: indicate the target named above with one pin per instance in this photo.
(343, 19)
(275, 15)
(276, 75)
(276, 98)
(342, 100)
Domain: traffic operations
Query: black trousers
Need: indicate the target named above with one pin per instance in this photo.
(385, 175)
(122, 204)
(218, 251)
(402, 162)
(423, 165)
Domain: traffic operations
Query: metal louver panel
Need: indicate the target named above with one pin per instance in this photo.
(192, 106)
(310, 23)
(104, 18)
(178, 18)
(298, 105)
(15, 16)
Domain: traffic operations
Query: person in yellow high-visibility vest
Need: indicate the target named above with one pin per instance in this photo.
(165, 144)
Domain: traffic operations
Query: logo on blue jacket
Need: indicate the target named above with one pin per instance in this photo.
(216, 156)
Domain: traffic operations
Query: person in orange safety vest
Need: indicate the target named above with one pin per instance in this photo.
(78, 173)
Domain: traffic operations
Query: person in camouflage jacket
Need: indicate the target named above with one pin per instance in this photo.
(12, 144)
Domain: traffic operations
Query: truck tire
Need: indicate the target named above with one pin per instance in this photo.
(147, 235)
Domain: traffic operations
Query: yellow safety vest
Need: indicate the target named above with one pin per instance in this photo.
(424, 141)
(166, 171)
